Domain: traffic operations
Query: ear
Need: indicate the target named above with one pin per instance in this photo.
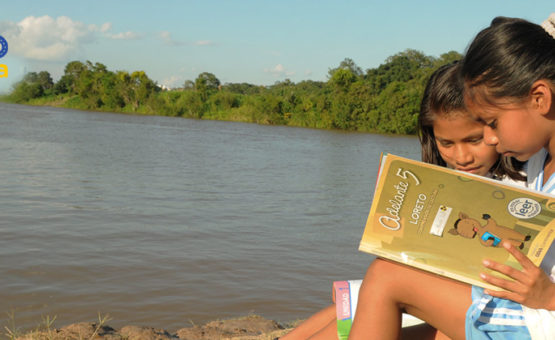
(541, 95)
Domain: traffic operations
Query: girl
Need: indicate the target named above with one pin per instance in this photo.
(509, 73)
(449, 137)
(509, 78)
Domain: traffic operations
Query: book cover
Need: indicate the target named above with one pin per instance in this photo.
(345, 295)
(446, 221)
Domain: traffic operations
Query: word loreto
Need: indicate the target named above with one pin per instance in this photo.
(3, 52)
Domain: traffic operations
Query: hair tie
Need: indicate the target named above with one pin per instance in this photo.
(549, 25)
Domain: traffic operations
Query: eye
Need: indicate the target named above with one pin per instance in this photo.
(476, 141)
(444, 143)
(492, 124)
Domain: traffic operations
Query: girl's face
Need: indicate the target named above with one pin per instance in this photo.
(513, 129)
(460, 142)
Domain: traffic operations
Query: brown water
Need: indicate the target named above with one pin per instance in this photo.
(162, 221)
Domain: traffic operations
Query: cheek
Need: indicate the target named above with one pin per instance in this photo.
(513, 132)
(447, 156)
(503, 133)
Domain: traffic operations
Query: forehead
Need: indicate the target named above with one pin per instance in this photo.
(483, 106)
(455, 127)
(484, 113)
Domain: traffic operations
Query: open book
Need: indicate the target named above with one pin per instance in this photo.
(446, 221)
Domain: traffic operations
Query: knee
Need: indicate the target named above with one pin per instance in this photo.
(381, 284)
(378, 268)
(383, 275)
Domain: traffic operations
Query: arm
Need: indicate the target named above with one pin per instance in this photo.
(530, 286)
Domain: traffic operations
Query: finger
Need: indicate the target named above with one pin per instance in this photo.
(518, 255)
(505, 295)
(509, 271)
(511, 286)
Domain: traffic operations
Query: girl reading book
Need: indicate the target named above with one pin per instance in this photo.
(509, 86)
(449, 137)
(509, 73)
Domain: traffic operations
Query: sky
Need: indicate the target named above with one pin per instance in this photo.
(259, 42)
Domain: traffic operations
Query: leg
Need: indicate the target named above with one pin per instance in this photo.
(313, 324)
(389, 289)
(422, 332)
(327, 333)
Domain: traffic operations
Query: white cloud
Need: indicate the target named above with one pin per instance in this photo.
(46, 38)
(124, 35)
(53, 39)
(168, 40)
(204, 43)
(279, 71)
(106, 27)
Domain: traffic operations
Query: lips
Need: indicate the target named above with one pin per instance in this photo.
(469, 169)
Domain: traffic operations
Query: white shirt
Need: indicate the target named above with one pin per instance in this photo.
(540, 322)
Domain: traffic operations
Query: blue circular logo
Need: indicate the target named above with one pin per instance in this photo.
(3, 46)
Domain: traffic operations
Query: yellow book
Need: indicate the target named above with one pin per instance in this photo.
(447, 221)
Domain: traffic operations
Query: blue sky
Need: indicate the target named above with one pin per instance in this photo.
(254, 41)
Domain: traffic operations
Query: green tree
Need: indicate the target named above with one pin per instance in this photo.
(449, 57)
(189, 85)
(24, 91)
(206, 84)
(400, 67)
(342, 79)
(242, 88)
(33, 85)
(73, 72)
(42, 78)
(63, 85)
(346, 64)
(45, 80)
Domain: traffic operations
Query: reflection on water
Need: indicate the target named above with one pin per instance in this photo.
(162, 221)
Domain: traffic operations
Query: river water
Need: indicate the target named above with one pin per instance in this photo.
(162, 221)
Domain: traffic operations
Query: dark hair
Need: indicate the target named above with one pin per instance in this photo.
(506, 58)
(443, 96)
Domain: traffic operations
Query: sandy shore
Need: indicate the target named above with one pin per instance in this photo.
(252, 327)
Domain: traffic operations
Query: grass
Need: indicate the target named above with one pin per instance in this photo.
(46, 331)
(240, 328)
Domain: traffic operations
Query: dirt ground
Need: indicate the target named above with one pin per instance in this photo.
(252, 327)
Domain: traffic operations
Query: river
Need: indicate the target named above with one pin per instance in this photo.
(163, 221)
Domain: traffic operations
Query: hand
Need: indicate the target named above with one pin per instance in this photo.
(530, 286)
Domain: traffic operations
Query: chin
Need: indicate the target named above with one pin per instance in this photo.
(481, 173)
(521, 158)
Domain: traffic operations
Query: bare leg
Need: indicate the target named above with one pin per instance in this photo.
(420, 332)
(313, 325)
(327, 333)
(389, 288)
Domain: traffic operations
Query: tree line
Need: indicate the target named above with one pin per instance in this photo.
(385, 99)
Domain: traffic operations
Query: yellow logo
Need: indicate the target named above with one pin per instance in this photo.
(3, 51)
(3, 71)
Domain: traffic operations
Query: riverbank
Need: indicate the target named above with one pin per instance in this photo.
(384, 100)
(251, 327)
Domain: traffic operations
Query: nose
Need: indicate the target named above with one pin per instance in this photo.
(490, 138)
(463, 156)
